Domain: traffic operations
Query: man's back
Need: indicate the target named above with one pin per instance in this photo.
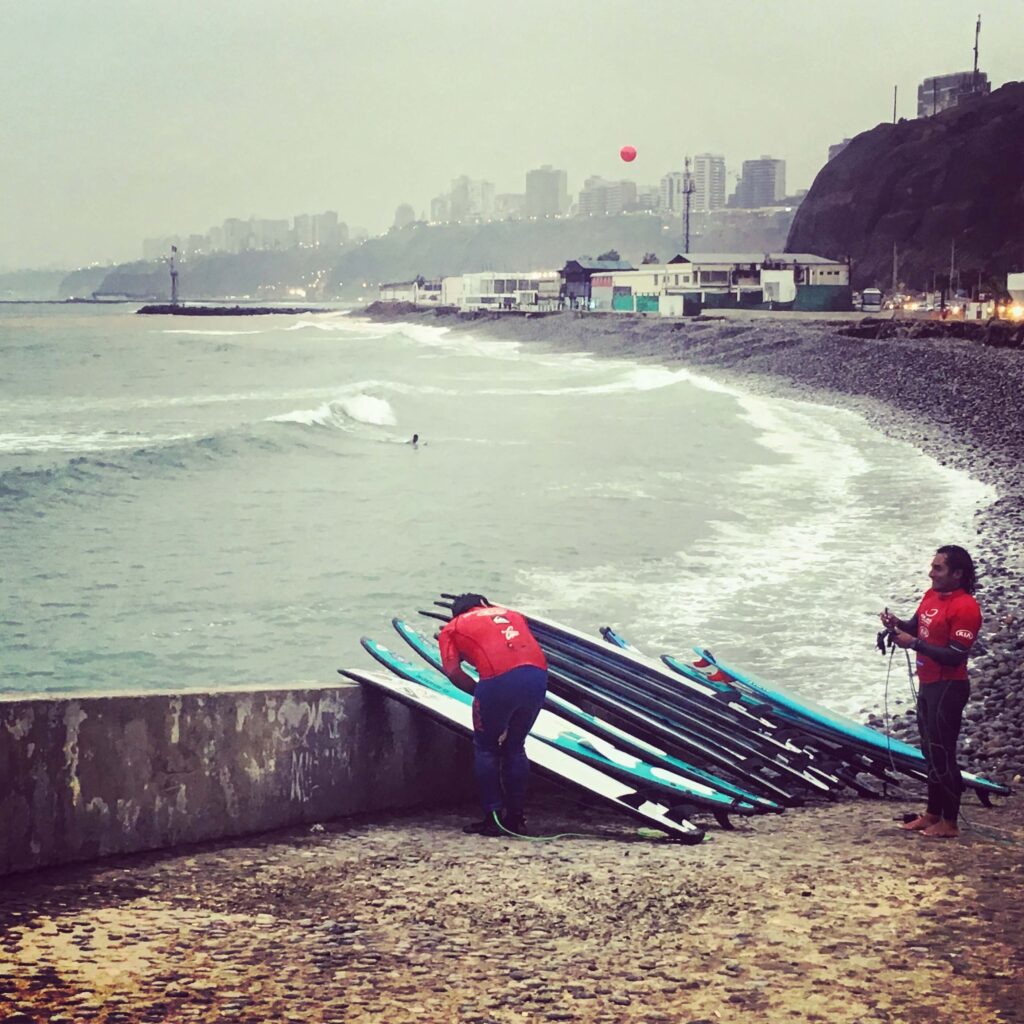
(492, 639)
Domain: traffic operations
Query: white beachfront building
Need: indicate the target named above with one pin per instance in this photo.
(420, 292)
(497, 291)
(692, 281)
(522, 290)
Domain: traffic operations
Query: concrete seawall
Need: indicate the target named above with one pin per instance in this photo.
(87, 776)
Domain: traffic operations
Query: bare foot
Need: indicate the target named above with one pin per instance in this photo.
(921, 822)
(942, 830)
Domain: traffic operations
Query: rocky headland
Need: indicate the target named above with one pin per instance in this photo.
(920, 185)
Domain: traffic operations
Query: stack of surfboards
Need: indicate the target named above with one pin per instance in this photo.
(666, 740)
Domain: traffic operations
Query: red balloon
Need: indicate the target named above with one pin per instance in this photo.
(628, 153)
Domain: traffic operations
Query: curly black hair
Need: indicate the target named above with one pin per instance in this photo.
(960, 561)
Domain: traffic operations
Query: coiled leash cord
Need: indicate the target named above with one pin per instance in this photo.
(644, 833)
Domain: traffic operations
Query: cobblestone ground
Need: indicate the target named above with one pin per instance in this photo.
(822, 914)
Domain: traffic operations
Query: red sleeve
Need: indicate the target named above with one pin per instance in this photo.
(965, 623)
(450, 657)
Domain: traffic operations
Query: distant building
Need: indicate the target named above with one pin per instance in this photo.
(237, 235)
(837, 148)
(547, 194)
(577, 277)
(269, 234)
(302, 232)
(945, 91)
(328, 232)
(670, 194)
(534, 290)
(600, 198)
(440, 209)
(471, 200)
(404, 216)
(709, 182)
(509, 205)
(762, 183)
(420, 292)
(647, 197)
(257, 233)
(690, 282)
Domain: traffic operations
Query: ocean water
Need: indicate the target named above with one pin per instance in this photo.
(230, 501)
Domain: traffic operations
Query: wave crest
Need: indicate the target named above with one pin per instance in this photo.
(342, 412)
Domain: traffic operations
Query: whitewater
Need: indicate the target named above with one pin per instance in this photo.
(225, 506)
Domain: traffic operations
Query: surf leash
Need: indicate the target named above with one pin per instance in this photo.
(645, 833)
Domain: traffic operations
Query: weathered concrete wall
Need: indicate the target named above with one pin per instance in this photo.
(86, 776)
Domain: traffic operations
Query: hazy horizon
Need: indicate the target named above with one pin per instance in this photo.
(130, 122)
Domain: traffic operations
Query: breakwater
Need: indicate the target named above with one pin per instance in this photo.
(167, 309)
(89, 776)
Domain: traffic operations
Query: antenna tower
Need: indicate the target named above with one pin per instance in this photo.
(688, 188)
(977, 32)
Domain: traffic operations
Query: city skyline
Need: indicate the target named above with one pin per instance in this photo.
(153, 122)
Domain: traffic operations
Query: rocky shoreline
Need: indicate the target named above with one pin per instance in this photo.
(958, 399)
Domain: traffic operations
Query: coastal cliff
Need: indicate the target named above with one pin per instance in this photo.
(938, 187)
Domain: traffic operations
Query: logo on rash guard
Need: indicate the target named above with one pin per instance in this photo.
(964, 634)
(510, 632)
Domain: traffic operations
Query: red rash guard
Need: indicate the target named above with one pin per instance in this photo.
(493, 640)
(946, 619)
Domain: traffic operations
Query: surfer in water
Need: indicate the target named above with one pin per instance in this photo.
(415, 442)
(942, 630)
(506, 701)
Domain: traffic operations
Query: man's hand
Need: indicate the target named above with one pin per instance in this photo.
(888, 619)
(902, 639)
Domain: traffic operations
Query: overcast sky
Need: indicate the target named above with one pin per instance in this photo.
(122, 120)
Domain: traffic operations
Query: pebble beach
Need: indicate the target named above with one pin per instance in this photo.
(826, 914)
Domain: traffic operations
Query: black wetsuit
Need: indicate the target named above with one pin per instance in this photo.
(940, 709)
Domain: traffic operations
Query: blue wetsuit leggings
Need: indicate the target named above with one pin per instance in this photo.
(504, 710)
(940, 709)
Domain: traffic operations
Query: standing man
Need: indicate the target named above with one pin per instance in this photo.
(943, 628)
(506, 701)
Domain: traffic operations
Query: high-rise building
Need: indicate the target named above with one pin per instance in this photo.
(440, 208)
(237, 235)
(471, 199)
(708, 183)
(763, 183)
(600, 198)
(837, 148)
(944, 91)
(547, 193)
(269, 234)
(303, 230)
(509, 205)
(670, 194)
(326, 230)
(647, 197)
(404, 215)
